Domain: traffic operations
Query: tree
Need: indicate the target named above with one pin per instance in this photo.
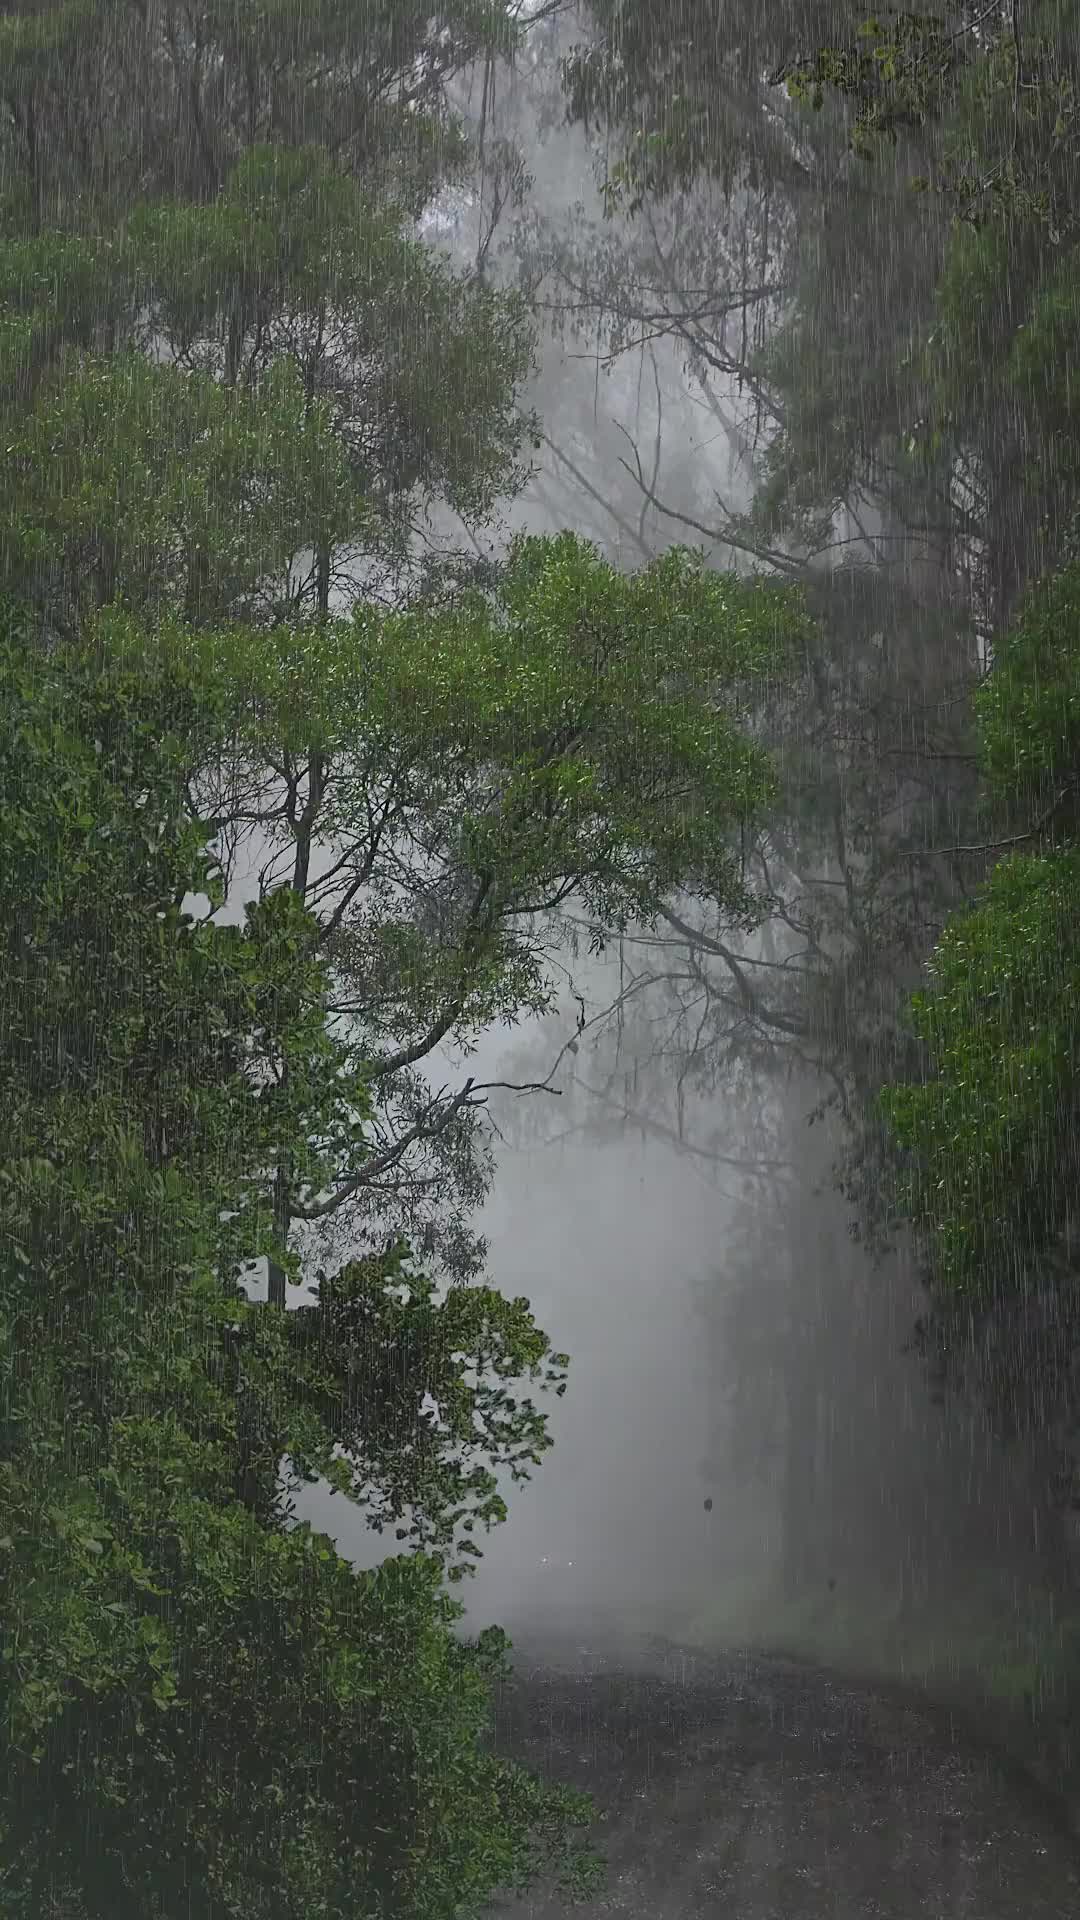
(878, 762)
(221, 403)
(238, 475)
(471, 769)
(168, 1631)
(544, 743)
(985, 1117)
(258, 214)
(104, 103)
(990, 1127)
(900, 373)
(236, 407)
(992, 95)
(475, 764)
(994, 1121)
(228, 349)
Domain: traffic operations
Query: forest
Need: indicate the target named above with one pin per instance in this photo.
(277, 293)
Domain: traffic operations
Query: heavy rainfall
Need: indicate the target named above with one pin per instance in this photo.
(540, 638)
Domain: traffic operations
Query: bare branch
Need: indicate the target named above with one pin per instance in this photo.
(708, 943)
(995, 846)
(720, 536)
(391, 1156)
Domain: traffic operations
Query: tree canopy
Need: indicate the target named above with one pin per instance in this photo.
(172, 1630)
(239, 380)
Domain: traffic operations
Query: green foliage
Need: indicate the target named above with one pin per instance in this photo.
(997, 386)
(576, 729)
(1041, 360)
(295, 258)
(974, 332)
(537, 742)
(1014, 151)
(613, 707)
(996, 1118)
(224, 350)
(896, 73)
(368, 81)
(34, 36)
(316, 366)
(544, 740)
(954, 348)
(59, 289)
(100, 852)
(155, 487)
(548, 736)
(992, 1129)
(166, 1631)
(343, 1702)
(1029, 707)
(680, 97)
(386, 1364)
(1002, 93)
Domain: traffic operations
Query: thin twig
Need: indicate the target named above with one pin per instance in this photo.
(994, 846)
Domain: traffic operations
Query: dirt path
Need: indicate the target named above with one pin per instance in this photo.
(755, 1789)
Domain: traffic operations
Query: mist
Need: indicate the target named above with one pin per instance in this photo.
(732, 1340)
(729, 1343)
(563, 517)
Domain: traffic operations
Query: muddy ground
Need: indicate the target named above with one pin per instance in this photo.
(762, 1789)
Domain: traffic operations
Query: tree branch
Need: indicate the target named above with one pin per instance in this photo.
(995, 846)
(391, 1156)
(707, 943)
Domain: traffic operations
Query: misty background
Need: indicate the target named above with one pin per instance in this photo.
(751, 1450)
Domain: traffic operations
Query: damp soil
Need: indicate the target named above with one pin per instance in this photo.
(765, 1789)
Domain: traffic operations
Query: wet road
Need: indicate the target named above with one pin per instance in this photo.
(760, 1790)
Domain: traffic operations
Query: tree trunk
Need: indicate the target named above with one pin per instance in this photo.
(301, 865)
(282, 1222)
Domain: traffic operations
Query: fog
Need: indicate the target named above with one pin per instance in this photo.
(655, 768)
(730, 1341)
(752, 1356)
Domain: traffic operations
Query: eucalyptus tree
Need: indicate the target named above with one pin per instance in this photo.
(205, 1707)
(474, 767)
(226, 351)
(737, 227)
(985, 1117)
(235, 376)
